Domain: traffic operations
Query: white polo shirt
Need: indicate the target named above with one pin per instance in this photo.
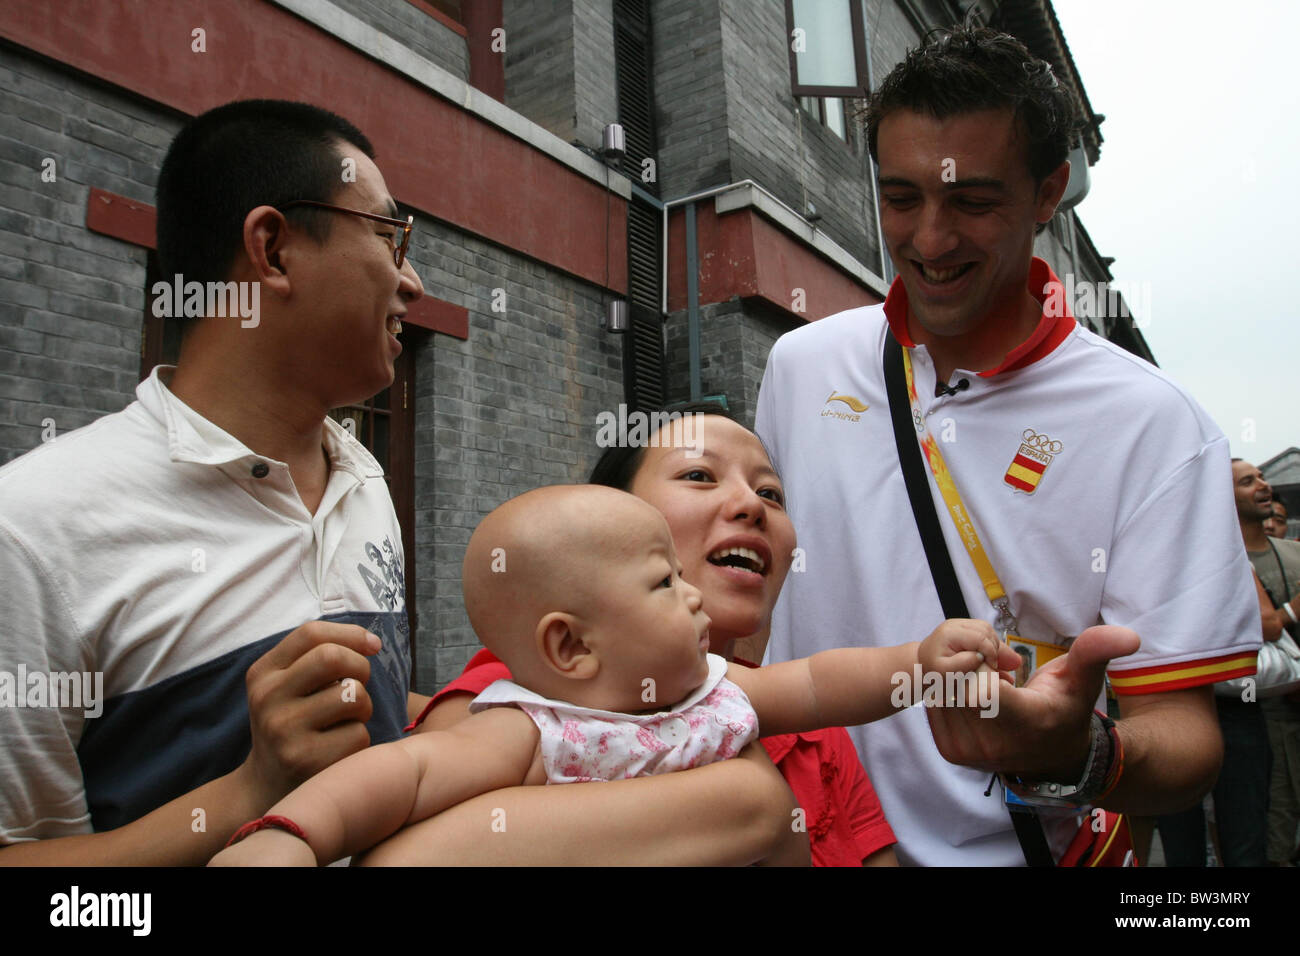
(1123, 516)
(146, 547)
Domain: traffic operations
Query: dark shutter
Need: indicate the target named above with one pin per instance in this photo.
(643, 345)
(632, 71)
(644, 254)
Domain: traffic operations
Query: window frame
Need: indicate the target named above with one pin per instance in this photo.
(816, 110)
(861, 61)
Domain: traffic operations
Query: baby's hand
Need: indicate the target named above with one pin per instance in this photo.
(266, 848)
(961, 646)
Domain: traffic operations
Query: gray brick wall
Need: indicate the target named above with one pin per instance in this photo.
(539, 63)
(512, 408)
(423, 34)
(762, 327)
(71, 301)
(780, 146)
(726, 113)
(690, 96)
(595, 93)
(735, 339)
(719, 344)
(560, 65)
(892, 30)
(891, 34)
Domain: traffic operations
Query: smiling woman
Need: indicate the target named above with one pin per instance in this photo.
(710, 477)
(725, 506)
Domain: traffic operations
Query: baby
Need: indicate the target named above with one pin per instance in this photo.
(579, 591)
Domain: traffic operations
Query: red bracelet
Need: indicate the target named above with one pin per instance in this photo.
(269, 822)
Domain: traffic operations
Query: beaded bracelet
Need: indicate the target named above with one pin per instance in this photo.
(268, 822)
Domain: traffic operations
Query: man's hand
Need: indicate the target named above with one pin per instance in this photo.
(307, 705)
(1040, 731)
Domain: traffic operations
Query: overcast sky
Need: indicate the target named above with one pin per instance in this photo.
(1196, 193)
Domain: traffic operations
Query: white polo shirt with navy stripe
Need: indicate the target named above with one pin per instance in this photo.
(153, 547)
(1122, 515)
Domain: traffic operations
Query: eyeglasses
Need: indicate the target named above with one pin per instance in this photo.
(399, 248)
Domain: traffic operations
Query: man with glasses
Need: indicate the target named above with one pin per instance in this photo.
(218, 568)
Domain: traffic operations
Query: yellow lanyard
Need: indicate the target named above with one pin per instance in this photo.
(1006, 621)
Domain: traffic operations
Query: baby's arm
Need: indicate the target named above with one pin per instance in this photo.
(359, 801)
(853, 685)
(731, 813)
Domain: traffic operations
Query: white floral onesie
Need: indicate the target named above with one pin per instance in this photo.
(580, 744)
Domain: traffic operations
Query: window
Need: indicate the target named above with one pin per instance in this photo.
(827, 111)
(829, 61)
(828, 48)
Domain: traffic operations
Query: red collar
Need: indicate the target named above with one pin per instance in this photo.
(1051, 331)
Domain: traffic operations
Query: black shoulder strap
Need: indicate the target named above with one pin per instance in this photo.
(1028, 830)
(918, 486)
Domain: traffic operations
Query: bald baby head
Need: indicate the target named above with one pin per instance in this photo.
(547, 551)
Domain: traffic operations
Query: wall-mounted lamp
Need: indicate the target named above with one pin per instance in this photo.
(1076, 190)
(616, 317)
(613, 142)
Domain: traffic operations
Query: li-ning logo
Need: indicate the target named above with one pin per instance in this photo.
(1032, 458)
(857, 405)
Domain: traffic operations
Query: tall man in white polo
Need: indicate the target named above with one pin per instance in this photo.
(1120, 455)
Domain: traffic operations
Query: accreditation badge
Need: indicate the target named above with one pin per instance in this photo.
(1033, 655)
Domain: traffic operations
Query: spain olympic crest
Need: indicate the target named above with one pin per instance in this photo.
(1032, 458)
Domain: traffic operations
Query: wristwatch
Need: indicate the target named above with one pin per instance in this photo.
(1099, 773)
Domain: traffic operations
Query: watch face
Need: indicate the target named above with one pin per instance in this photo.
(1056, 794)
(1027, 797)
